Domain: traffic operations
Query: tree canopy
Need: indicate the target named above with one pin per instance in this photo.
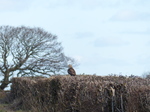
(29, 51)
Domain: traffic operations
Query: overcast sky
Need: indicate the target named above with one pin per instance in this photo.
(104, 36)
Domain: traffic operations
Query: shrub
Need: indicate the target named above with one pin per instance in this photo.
(81, 94)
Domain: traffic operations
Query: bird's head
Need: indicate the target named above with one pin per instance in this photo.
(70, 66)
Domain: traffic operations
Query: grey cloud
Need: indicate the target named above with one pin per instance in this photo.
(115, 61)
(83, 35)
(92, 4)
(144, 16)
(83, 4)
(107, 42)
(130, 15)
(148, 44)
(147, 32)
(14, 5)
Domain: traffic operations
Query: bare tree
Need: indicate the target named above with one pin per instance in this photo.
(29, 51)
(146, 75)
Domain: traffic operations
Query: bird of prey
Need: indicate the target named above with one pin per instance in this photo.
(71, 71)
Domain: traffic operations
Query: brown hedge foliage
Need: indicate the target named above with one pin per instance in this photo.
(81, 94)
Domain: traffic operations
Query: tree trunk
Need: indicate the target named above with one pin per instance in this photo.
(4, 82)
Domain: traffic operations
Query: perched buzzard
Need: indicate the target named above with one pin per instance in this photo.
(71, 71)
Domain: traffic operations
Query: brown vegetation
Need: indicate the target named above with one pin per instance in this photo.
(81, 94)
